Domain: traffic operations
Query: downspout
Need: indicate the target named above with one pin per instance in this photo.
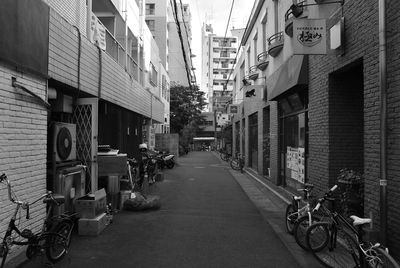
(383, 125)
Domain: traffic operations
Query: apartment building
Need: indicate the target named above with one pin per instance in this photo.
(303, 114)
(161, 17)
(74, 75)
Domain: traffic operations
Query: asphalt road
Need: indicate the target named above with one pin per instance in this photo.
(206, 220)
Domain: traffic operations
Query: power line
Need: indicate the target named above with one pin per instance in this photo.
(224, 40)
(187, 35)
(237, 53)
(174, 11)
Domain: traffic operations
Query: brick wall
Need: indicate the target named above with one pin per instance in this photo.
(274, 141)
(23, 145)
(361, 43)
(393, 108)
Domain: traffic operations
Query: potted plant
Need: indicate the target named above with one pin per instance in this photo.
(351, 184)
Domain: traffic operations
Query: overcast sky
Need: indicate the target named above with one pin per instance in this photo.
(215, 12)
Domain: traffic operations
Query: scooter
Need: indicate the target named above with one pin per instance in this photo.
(165, 160)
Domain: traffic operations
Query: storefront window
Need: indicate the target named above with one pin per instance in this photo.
(293, 143)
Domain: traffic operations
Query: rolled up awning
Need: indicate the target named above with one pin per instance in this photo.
(292, 74)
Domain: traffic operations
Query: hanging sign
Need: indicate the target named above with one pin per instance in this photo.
(309, 36)
(97, 32)
(233, 109)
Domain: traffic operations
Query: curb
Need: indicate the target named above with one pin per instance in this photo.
(271, 201)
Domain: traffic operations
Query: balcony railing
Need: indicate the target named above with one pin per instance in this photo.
(115, 49)
(263, 60)
(289, 17)
(275, 44)
(253, 72)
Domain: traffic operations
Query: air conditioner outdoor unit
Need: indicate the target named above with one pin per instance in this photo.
(64, 141)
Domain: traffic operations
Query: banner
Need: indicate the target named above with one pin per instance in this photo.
(97, 32)
(309, 36)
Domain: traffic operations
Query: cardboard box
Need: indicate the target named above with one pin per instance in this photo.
(89, 207)
(92, 226)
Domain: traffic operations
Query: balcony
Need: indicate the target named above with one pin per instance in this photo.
(275, 44)
(253, 72)
(289, 17)
(263, 60)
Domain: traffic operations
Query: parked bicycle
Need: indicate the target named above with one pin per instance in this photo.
(54, 238)
(237, 162)
(310, 217)
(337, 243)
(294, 210)
(224, 155)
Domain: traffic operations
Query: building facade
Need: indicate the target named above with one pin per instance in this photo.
(303, 117)
(162, 17)
(87, 69)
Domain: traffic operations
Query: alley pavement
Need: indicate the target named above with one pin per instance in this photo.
(211, 216)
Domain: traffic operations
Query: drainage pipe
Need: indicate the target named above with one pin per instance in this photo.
(383, 122)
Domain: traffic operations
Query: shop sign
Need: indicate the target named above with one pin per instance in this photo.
(295, 163)
(309, 36)
(152, 138)
(233, 109)
(97, 32)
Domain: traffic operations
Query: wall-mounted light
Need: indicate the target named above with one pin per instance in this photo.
(245, 82)
(297, 9)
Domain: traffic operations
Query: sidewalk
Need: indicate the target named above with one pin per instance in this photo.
(271, 200)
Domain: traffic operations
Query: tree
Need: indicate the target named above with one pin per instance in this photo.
(186, 104)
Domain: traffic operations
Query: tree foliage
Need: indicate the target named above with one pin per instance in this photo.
(186, 105)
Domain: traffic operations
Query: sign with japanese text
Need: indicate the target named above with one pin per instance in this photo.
(295, 163)
(309, 36)
(233, 109)
(97, 32)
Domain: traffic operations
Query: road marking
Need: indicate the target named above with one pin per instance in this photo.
(269, 188)
(191, 179)
(199, 167)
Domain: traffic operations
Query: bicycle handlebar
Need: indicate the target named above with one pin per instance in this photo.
(326, 196)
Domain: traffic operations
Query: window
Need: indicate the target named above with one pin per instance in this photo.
(264, 31)
(150, 24)
(153, 75)
(255, 47)
(150, 9)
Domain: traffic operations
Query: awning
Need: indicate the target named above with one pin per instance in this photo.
(293, 73)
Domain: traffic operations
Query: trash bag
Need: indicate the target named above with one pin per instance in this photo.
(140, 202)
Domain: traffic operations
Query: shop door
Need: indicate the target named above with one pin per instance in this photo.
(253, 141)
(293, 140)
(85, 117)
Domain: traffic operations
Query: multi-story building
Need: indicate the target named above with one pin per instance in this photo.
(162, 17)
(83, 74)
(305, 110)
(218, 59)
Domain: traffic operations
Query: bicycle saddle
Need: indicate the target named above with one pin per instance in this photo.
(360, 221)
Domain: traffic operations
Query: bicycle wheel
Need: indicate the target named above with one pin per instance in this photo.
(340, 250)
(235, 164)
(224, 156)
(300, 229)
(381, 259)
(290, 218)
(58, 241)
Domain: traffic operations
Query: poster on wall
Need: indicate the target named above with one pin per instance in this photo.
(295, 163)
